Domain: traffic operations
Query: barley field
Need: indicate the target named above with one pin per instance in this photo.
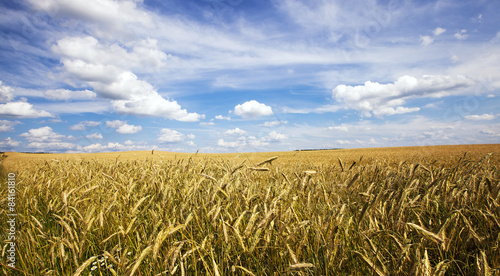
(384, 211)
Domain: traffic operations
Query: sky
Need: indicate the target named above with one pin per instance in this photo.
(247, 75)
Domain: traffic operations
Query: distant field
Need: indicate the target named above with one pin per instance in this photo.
(380, 211)
(312, 157)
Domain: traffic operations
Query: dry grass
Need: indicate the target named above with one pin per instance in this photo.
(393, 211)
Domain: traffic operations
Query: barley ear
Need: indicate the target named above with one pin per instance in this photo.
(139, 261)
(84, 266)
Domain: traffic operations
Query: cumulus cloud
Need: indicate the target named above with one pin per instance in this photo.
(273, 123)
(170, 136)
(233, 144)
(122, 127)
(236, 131)
(252, 109)
(18, 109)
(480, 117)
(438, 31)
(128, 129)
(44, 134)
(9, 143)
(426, 40)
(388, 99)
(65, 94)
(22, 109)
(107, 68)
(220, 117)
(44, 138)
(94, 136)
(6, 125)
(127, 146)
(155, 105)
(5, 93)
(242, 142)
(84, 124)
(274, 136)
(113, 17)
(145, 54)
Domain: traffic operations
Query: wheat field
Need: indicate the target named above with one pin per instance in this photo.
(385, 211)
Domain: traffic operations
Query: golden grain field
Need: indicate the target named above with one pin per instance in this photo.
(385, 211)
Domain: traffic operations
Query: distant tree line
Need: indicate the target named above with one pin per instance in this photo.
(318, 149)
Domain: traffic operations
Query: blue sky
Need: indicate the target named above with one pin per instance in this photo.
(247, 75)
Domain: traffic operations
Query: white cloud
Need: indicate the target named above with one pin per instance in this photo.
(273, 123)
(9, 143)
(274, 136)
(128, 129)
(257, 143)
(170, 136)
(94, 136)
(107, 69)
(344, 142)
(191, 136)
(461, 35)
(387, 111)
(155, 105)
(480, 117)
(100, 76)
(5, 93)
(234, 144)
(107, 16)
(65, 94)
(236, 131)
(207, 123)
(252, 109)
(129, 146)
(22, 109)
(243, 143)
(220, 117)
(387, 99)
(44, 138)
(145, 54)
(6, 125)
(438, 31)
(122, 127)
(84, 124)
(17, 109)
(426, 40)
(44, 134)
(115, 123)
(129, 142)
